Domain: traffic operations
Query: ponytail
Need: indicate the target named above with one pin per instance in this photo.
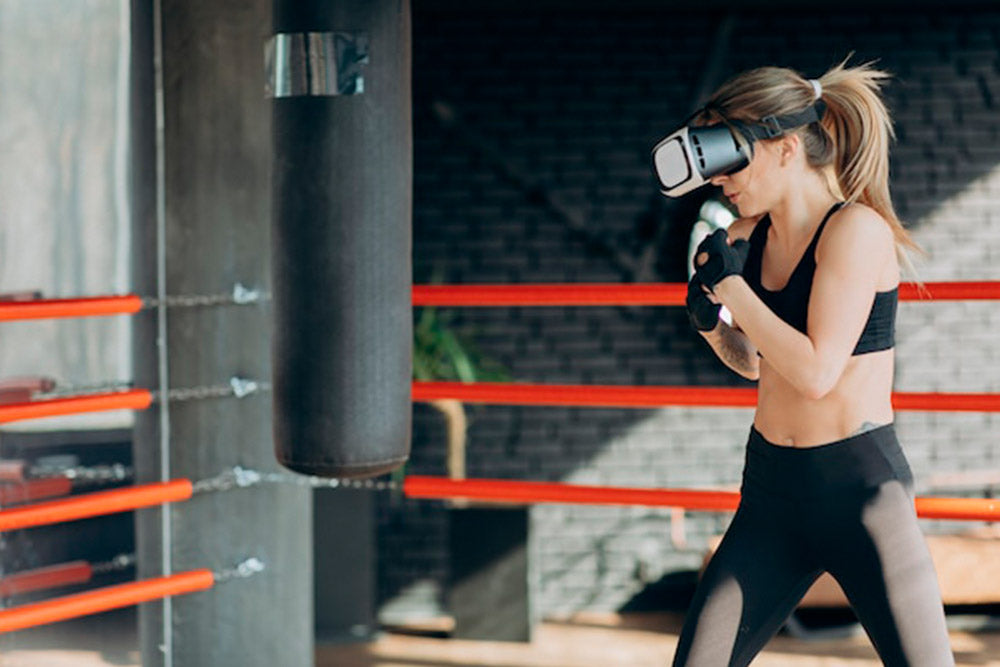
(850, 144)
(861, 129)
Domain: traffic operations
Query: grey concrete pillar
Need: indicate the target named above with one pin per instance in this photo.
(213, 189)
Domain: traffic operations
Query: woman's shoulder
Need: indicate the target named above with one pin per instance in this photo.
(854, 223)
(742, 228)
(857, 239)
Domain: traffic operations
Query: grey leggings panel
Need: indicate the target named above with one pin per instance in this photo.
(844, 507)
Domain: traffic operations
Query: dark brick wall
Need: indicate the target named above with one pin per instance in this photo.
(545, 178)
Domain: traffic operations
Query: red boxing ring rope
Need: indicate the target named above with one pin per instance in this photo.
(53, 576)
(95, 504)
(522, 393)
(134, 399)
(555, 294)
(80, 307)
(650, 294)
(650, 396)
(506, 491)
(643, 294)
(103, 599)
(34, 489)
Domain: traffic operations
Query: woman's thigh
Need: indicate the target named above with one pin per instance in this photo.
(748, 589)
(880, 558)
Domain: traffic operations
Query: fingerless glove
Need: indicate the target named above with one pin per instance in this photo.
(723, 259)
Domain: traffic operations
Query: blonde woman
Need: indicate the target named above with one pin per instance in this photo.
(810, 274)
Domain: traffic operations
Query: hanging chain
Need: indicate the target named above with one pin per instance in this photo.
(116, 564)
(234, 478)
(241, 478)
(238, 387)
(63, 391)
(240, 296)
(97, 474)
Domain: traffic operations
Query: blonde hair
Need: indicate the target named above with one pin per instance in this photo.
(850, 144)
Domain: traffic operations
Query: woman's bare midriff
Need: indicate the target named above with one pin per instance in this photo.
(861, 400)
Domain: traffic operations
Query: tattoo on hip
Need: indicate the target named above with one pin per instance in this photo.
(866, 426)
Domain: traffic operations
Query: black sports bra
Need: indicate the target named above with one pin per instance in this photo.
(791, 303)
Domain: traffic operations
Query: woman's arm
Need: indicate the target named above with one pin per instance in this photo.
(729, 342)
(734, 349)
(851, 254)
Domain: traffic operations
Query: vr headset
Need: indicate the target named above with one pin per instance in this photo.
(690, 156)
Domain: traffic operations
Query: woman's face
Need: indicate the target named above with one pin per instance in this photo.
(755, 188)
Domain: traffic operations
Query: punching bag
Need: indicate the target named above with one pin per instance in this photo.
(338, 76)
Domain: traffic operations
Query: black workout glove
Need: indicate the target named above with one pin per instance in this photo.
(704, 314)
(723, 259)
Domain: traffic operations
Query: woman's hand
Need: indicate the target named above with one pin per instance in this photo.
(702, 306)
(717, 258)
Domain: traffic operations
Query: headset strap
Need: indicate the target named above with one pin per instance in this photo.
(772, 126)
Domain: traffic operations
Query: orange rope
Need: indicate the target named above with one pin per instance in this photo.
(77, 572)
(965, 509)
(103, 599)
(951, 291)
(548, 492)
(584, 395)
(134, 399)
(642, 294)
(35, 489)
(505, 491)
(80, 307)
(549, 294)
(95, 504)
(938, 402)
(564, 294)
(653, 396)
(522, 393)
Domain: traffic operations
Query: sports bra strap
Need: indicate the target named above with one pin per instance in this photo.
(811, 250)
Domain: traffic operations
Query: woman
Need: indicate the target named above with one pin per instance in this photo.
(809, 273)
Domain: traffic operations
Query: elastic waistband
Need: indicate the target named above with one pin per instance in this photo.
(858, 462)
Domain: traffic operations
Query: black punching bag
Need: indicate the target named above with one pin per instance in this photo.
(339, 80)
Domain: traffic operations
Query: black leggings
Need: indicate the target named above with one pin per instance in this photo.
(846, 508)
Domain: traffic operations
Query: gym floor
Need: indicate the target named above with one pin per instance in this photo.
(589, 640)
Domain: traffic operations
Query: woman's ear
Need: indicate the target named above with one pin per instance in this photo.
(788, 147)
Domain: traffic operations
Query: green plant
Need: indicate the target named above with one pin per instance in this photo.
(444, 352)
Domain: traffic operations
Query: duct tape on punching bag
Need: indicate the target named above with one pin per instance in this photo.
(338, 75)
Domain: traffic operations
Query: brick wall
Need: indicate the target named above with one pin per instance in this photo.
(546, 179)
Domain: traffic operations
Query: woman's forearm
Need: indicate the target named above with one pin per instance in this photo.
(789, 351)
(734, 349)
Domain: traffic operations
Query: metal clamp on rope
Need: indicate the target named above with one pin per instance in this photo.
(245, 295)
(243, 387)
(247, 568)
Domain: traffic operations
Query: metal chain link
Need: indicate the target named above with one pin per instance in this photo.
(247, 568)
(65, 390)
(238, 387)
(97, 474)
(241, 478)
(235, 478)
(240, 296)
(116, 564)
